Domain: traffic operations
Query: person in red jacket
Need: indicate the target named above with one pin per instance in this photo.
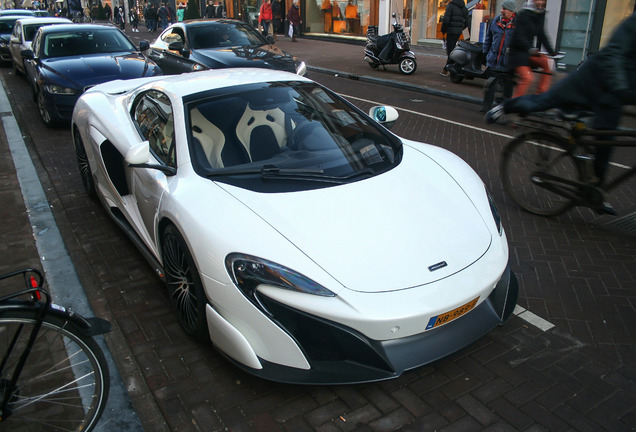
(265, 16)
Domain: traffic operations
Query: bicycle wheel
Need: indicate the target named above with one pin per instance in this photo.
(532, 153)
(65, 381)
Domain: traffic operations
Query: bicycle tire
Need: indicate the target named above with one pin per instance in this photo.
(530, 153)
(65, 382)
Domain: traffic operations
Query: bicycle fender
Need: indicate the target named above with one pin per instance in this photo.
(86, 326)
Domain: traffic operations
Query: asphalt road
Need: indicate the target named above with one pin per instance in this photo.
(565, 362)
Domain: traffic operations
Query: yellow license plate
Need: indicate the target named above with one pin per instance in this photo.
(451, 315)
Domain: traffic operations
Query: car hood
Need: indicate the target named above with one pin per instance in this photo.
(266, 56)
(89, 70)
(408, 227)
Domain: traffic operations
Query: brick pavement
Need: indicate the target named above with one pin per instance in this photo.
(575, 271)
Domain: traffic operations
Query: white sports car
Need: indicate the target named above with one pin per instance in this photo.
(309, 243)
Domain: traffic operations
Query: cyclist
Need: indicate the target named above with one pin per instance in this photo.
(524, 52)
(603, 84)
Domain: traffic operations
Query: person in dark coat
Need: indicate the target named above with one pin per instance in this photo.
(277, 17)
(524, 54)
(603, 84)
(496, 50)
(210, 10)
(453, 24)
(293, 15)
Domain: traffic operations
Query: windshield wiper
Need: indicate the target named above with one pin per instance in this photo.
(266, 170)
(272, 172)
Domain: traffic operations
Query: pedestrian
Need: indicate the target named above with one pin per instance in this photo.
(122, 18)
(453, 24)
(496, 51)
(151, 18)
(134, 20)
(163, 15)
(210, 12)
(603, 84)
(265, 16)
(524, 51)
(108, 12)
(277, 17)
(172, 14)
(293, 15)
(181, 12)
(220, 10)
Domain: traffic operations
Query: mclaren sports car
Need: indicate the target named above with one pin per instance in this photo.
(307, 241)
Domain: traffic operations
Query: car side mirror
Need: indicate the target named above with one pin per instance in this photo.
(144, 45)
(27, 54)
(179, 47)
(139, 155)
(385, 115)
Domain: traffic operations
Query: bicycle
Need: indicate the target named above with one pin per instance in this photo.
(53, 375)
(550, 169)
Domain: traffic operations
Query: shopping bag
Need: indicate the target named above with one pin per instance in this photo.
(291, 30)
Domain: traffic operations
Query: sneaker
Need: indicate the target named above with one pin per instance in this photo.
(494, 114)
(444, 73)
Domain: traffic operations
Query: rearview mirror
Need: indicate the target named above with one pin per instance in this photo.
(144, 45)
(27, 54)
(385, 115)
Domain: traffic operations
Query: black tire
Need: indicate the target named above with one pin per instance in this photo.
(407, 66)
(45, 115)
(65, 381)
(83, 165)
(16, 71)
(455, 77)
(184, 284)
(532, 153)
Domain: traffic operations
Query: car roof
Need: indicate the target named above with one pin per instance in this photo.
(202, 21)
(43, 20)
(14, 12)
(13, 17)
(76, 28)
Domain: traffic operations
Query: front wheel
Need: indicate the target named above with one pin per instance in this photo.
(64, 383)
(533, 167)
(184, 284)
(407, 66)
(83, 165)
(45, 115)
(454, 77)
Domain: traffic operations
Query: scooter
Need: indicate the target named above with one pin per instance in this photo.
(399, 52)
(466, 62)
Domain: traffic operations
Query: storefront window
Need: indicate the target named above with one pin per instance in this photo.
(346, 17)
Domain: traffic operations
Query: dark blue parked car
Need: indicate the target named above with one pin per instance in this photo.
(67, 59)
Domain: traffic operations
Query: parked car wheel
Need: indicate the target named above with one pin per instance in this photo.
(44, 111)
(83, 165)
(184, 284)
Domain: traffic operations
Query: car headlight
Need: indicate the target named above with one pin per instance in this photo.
(301, 69)
(3, 44)
(248, 272)
(58, 89)
(198, 67)
(495, 213)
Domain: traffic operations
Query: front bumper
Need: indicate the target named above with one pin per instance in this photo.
(339, 355)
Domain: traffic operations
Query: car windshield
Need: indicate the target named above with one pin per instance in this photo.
(293, 132)
(83, 42)
(29, 31)
(222, 34)
(6, 25)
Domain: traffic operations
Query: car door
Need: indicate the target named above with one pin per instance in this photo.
(152, 116)
(15, 45)
(31, 65)
(171, 61)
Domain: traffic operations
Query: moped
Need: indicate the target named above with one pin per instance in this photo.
(392, 48)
